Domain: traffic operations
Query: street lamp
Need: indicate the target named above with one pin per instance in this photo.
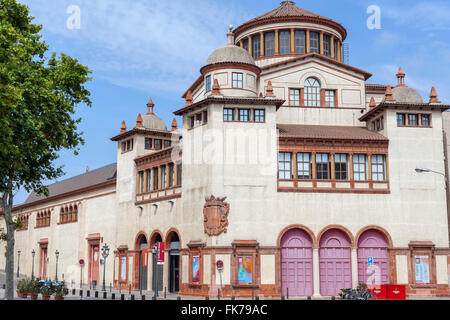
(421, 170)
(18, 262)
(32, 265)
(105, 253)
(57, 255)
(155, 270)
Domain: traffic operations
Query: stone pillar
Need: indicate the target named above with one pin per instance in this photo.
(332, 47)
(249, 45)
(276, 42)
(308, 50)
(339, 52)
(321, 43)
(354, 267)
(262, 43)
(292, 40)
(316, 273)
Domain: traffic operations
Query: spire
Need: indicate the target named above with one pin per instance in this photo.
(269, 89)
(189, 97)
(139, 121)
(372, 103)
(123, 127)
(433, 95)
(150, 105)
(230, 35)
(400, 78)
(174, 124)
(388, 94)
(215, 87)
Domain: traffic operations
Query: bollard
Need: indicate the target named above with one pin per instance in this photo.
(178, 298)
(81, 293)
(206, 298)
(309, 297)
(104, 295)
(96, 294)
(110, 287)
(257, 298)
(232, 298)
(113, 296)
(165, 292)
(132, 297)
(122, 297)
(88, 293)
(143, 297)
(333, 298)
(287, 293)
(218, 294)
(120, 287)
(73, 292)
(282, 298)
(129, 288)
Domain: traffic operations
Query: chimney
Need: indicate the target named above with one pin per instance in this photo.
(400, 78)
(174, 124)
(372, 103)
(139, 121)
(433, 96)
(123, 127)
(215, 87)
(388, 94)
(269, 89)
(189, 97)
(150, 105)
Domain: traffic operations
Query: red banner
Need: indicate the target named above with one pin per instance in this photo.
(144, 257)
(160, 252)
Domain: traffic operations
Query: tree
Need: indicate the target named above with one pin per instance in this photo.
(38, 96)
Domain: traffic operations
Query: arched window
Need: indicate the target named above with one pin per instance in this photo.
(312, 92)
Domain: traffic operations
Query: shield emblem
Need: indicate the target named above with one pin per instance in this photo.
(215, 215)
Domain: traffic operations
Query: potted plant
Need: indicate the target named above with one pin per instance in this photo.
(22, 288)
(46, 292)
(60, 292)
(34, 289)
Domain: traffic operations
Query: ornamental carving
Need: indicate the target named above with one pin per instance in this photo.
(215, 215)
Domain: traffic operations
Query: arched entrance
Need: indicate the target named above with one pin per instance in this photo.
(174, 263)
(334, 262)
(296, 263)
(142, 262)
(157, 269)
(374, 244)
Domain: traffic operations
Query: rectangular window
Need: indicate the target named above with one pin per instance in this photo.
(148, 182)
(141, 182)
(269, 43)
(208, 83)
(330, 98)
(124, 147)
(163, 177)
(303, 165)
(179, 173)
(413, 120)
(285, 42)
(378, 162)
(341, 166)
(167, 143)
(284, 165)
(158, 144)
(300, 42)
(401, 119)
(259, 115)
(314, 42)
(237, 78)
(171, 175)
(155, 179)
(191, 122)
(425, 120)
(205, 117)
(256, 46)
(360, 167)
(294, 97)
(228, 114)
(245, 44)
(323, 166)
(245, 269)
(148, 143)
(336, 50)
(244, 114)
(327, 45)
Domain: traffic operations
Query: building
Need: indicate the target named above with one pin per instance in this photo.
(289, 169)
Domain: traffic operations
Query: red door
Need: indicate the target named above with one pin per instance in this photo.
(335, 263)
(43, 263)
(296, 264)
(374, 244)
(94, 262)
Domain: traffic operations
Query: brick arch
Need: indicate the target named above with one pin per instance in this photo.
(374, 227)
(295, 226)
(138, 239)
(152, 238)
(169, 235)
(339, 227)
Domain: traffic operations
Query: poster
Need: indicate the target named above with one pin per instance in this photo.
(196, 269)
(422, 269)
(123, 268)
(245, 269)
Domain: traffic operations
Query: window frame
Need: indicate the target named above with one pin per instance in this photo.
(239, 82)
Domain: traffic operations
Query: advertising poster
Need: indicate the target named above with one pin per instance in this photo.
(422, 269)
(245, 269)
(196, 269)
(123, 268)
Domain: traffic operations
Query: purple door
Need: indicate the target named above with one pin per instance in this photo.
(296, 263)
(335, 263)
(373, 243)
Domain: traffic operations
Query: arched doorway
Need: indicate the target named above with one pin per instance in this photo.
(373, 244)
(174, 263)
(296, 263)
(334, 262)
(142, 261)
(157, 269)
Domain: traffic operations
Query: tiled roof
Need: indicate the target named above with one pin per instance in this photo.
(287, 9)
(328, 132)
(81, 181)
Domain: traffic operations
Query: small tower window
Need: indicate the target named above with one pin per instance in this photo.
(327, 45)
(312, 92)
(237, 78)
(314, 42)
(270, 44)
(300, 42)
(285, 42)
(256, 46)
(208, 83)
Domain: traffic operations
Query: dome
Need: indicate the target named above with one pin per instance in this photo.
(406, 95)
(230, 54)
(153, 122)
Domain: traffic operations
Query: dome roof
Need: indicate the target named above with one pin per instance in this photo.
(230, 53)
(153, 122)
(406, 95)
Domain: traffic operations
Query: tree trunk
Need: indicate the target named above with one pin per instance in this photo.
(7, 202)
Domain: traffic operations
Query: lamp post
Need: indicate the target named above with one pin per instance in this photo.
(56, 275)
(105, 253)
(421, 170)
(155, 271)
(32, 265)
(18, 262)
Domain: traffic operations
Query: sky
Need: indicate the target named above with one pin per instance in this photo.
(141, 49)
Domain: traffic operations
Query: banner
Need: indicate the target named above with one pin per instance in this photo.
(245, 269)
(422, 269)
(196, 269)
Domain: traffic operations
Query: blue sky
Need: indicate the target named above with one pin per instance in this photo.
(139, 49)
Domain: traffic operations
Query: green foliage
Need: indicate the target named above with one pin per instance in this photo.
(46, 291)
(22, 285)
(61, 291)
